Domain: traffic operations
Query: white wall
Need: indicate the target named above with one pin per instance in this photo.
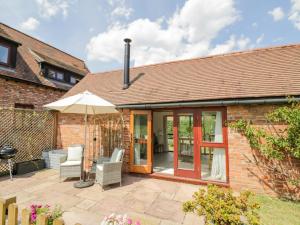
(158, 125)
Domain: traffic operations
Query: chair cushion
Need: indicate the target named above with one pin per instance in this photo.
(74, 153)
(100, 167)
(114, 156)
(71, 163)
(119, 156)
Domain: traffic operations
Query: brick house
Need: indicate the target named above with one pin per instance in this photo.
(176, 113)
(33, 73)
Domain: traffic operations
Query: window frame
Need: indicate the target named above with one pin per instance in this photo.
(9, 55)
(46, 68)
(223, 145)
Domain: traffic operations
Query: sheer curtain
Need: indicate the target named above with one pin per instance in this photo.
(137, 147)
(218, 170)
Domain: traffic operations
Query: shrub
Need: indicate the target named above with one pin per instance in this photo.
(219, 206)
(51, 214)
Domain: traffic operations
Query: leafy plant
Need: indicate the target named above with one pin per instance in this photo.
(51, 214)
(279, 143)
(220, 206)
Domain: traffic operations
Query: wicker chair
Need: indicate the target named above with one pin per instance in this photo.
(70, 165)
(109, 170)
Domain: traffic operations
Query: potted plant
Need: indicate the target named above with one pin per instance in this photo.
(51, 214)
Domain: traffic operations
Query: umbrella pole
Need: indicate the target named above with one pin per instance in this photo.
(83, 183)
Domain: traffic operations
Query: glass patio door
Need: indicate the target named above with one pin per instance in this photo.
(141, 141)
(186, 156)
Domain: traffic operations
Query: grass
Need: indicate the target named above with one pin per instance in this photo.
(276, 211)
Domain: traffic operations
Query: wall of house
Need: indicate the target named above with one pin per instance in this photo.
(244, 173)
(12, 92)
(104, 133)
(247, 168)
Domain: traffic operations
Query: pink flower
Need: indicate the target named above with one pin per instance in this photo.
(129, 221)
(137, 223)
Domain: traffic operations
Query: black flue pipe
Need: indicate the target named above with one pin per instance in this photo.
(126, 63)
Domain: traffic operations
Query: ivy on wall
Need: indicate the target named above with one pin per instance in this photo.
(277, 142)
(275, 145)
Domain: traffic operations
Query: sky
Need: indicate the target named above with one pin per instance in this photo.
(161, 30)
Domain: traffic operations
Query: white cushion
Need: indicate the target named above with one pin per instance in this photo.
(100, 167)
(74, 153)
(119, 156)
(114, 156)
(71, 163)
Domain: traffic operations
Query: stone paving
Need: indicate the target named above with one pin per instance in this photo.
(152, 201)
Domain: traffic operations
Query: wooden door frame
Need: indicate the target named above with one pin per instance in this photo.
(198, 142)
(185, 172)
(141, 168)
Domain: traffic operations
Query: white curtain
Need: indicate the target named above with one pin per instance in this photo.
(218, 128)
(137, 134)
(218, 170)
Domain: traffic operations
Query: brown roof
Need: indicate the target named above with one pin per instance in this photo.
(27, 67)
(257, 73)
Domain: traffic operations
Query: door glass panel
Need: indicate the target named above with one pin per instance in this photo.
(140, 139)
(186, 141)
(213, 164)
(169, 132)
(212, 127)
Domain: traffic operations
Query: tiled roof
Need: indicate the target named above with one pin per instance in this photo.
(27, 67)
(257, 73)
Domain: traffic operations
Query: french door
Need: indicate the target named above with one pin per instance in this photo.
(186, 156)
(141, 141)
(200, 144)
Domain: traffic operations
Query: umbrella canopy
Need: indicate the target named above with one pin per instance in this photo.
(83, 103)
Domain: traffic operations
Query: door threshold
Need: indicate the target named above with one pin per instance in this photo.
(188, 180)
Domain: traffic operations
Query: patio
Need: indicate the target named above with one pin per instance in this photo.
(152, 201)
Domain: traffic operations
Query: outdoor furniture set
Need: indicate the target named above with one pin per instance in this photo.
(107, 170)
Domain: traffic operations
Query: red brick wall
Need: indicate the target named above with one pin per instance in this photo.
(12, 92)
(243, 172)
(70, 130)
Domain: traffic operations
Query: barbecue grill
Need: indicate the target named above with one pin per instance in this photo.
(7, 152)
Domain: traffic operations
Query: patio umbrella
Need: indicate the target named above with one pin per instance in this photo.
(83, 103)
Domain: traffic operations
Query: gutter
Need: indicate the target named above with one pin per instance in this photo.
(272, 100)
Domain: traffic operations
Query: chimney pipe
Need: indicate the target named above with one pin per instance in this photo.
(126, 63)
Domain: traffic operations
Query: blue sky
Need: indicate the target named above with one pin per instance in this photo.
(161, 30)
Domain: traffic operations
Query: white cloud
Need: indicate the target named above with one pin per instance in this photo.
(260, 39)
(30, 24)
(254, 24)
(231, 44)
(277, 14)
(120, 9)
(50, 8)
(189, 33)
(295, 13)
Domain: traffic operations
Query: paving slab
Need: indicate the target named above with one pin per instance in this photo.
(152, 201)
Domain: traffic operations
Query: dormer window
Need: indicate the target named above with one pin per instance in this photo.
(56, 75)
(8, 53)
(4, 54)
(59, 74)
(73, 80)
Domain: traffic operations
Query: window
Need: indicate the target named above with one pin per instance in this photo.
(24, 106)
(4, 54)
(213, 147)
(73, 80)
(56, 75)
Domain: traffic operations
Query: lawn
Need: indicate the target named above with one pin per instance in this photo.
(275, 211)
